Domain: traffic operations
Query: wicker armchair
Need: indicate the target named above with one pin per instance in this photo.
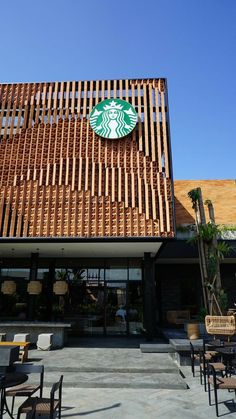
(220, 325)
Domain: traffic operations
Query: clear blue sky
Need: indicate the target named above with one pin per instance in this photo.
(190, 42)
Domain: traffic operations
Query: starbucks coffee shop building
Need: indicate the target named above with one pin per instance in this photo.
(86, 203)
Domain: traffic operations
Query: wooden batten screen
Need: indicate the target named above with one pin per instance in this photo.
(58, 178)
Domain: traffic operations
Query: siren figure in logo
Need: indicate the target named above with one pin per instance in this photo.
(112, 121)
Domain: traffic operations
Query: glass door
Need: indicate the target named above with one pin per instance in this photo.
(86, 306)
(116, 308)
(105, 301)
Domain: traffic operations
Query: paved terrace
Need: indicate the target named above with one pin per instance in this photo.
(102, 381)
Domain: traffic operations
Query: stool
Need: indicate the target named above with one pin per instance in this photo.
(44, 341)
(2, 337)
(21, 337)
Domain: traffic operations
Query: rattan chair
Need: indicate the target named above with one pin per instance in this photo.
(27, 389)
(220, 325)
(218, 383)
(44, 406)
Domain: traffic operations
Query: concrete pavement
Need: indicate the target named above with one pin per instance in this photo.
(110, 383)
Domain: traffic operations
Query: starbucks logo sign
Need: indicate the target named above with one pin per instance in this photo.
(113, 118)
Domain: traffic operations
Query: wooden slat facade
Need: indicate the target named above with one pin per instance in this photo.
(58, 178)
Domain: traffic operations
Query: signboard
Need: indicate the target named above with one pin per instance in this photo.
(113, 118)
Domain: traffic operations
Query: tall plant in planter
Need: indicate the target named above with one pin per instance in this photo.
(211, 252)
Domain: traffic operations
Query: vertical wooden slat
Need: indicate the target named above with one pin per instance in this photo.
(49, 103)
(14, 114)
(8, 110)
(167, 209)
(55, 215)
(140, 120)
(85, 99)
(7, 213)
(75, 218)
(73, 173)
(153, 146)
(103, 90)
(82, 212)
(44, 101)
(55, 102)
(158, 130)
(38, 102)
(2, 207)
(73, 100)
(67, 99)
(79, 99)
(21, 211)
(62, 211)
(121, 89)
(32, 110)
(145, 120)
(47, 220)
(94, 232)
(3, 109)
(28, 209)
(114, 88)
(68, 215)
(160, 202)
(164, 130)
(61, 101)
(132, 190)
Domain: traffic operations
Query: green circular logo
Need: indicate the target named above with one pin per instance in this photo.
(113, 118)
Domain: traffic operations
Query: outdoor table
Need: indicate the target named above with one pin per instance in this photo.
(217, 343)
(10, 379)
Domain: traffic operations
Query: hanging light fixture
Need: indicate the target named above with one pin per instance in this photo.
(34, 287)
(60, 287)
(8, 287)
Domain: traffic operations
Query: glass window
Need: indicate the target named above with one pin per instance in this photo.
(42, 274)
(14, 306)
(135, 274)
(116, 274)
(15, 273)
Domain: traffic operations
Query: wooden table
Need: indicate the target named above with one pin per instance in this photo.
(23, 352)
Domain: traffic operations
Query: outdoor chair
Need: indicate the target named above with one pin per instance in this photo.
(205, 359)
(212, 353)
(27, 390)
(194, 356)
(218, 383)
(42, 405)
